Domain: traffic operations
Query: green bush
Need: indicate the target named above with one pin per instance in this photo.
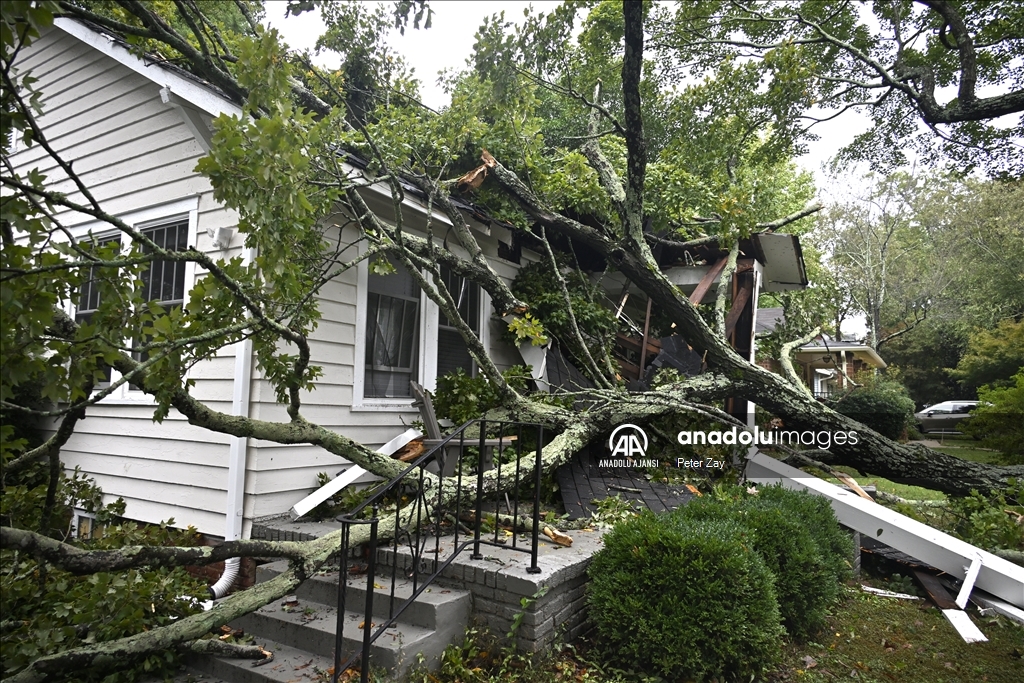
(460, 397)
(983, 520)
(815, 515)
(684, 599)
(47, 610)
(999, 420)
(805, 584)
(883, 406)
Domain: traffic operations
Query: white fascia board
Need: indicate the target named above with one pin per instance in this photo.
(953, 556)
(349, 476)
(383, 190)
(855, 348)
(190, 91)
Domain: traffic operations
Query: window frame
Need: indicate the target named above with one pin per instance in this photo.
(428, 331)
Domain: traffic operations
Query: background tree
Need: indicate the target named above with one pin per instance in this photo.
(937, 78)
(637, 154)
(993, 357)
(944, 242)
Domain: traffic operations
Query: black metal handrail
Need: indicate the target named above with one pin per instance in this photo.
(419, 528)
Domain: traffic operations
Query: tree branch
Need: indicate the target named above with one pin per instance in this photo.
(591, 149)
(724, 283)
(636, 145)
(584, 348)
(78, 561)
(787, 363)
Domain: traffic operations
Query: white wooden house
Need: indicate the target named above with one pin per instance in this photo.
(134, 131)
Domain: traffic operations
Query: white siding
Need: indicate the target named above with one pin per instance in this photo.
(286, 474)
(134, 153)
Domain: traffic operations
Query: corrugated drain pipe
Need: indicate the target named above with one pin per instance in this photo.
(236, 459)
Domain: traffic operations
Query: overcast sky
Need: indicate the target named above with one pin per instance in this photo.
(449, 42)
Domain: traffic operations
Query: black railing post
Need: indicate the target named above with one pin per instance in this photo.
(538, 473)
(478, 504)
(339, 635)
(393, 489)
(371, 566)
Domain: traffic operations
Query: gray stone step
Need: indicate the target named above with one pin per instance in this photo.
(302, 636)
(290, 665)
(311, 627)
(436, 607)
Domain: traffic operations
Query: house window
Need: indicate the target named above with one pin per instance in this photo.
(171, 226)
(392, 334)
(89, 297)
(452, 352)
(164, 281)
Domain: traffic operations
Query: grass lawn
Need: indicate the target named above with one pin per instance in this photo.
(956, 445)
(882, 639)
(973, 453)
(882, 484)
(869, 639)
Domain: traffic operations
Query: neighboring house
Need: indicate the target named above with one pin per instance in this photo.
(825, 363)
(134, 131)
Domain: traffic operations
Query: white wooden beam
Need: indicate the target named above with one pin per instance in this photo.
(953, 556)
(348, 476)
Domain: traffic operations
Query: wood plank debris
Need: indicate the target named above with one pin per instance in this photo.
(964, 626)
(888, 594)
(936, 591)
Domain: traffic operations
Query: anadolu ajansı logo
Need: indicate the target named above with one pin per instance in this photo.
(628, 445)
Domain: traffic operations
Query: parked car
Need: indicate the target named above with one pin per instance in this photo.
(945, 416)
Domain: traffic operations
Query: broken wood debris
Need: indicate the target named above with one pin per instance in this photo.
(936, 591)
(557, 536)
(888, 594)
(268, 657)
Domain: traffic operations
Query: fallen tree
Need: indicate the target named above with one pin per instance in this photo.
(621, 170)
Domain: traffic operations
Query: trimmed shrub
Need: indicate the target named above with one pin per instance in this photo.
(816, 516)
(883, 406)
(684, 599)
(804, 583)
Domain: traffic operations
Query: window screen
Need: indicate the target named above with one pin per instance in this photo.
(89, 296)
(164, 281)
(451, 347)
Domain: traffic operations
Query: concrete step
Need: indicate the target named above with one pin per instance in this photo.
(302, 636)
(311, 627)
(290, 665)
(436, 607)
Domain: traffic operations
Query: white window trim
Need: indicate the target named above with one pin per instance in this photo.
(427, 367)
(360, 403)
(142, 219)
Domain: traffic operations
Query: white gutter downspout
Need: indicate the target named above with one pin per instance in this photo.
(237, 450)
